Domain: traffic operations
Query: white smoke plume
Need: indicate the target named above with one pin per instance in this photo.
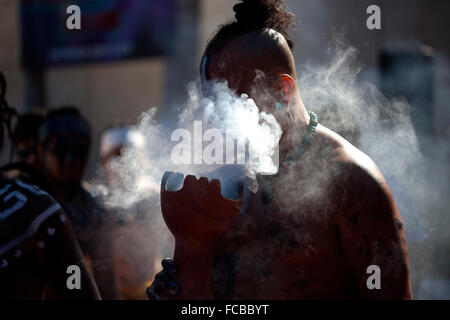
(141, 166)
(381, 127)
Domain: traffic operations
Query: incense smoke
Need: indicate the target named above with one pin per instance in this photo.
(381, 127)
(230, 128)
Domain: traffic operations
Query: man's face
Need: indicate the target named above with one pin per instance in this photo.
(236, 69)
(251, 65)
(244, 78)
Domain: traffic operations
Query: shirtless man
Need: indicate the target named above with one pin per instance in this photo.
(311, 231)
(37, 244)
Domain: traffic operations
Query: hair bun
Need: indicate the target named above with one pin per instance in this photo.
(254, 13)
(258, 14)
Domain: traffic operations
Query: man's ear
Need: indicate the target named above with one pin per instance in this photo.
(286, 87)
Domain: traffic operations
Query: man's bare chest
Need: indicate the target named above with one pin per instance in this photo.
(281, 257)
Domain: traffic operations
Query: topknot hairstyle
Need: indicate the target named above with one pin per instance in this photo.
(251, 15)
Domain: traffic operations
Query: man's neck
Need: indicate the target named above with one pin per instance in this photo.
(296, 129)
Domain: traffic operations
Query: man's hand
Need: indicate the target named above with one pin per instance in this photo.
(199, 217)
(198, 212)
(163, 284)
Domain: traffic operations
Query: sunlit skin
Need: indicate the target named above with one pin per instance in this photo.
(328, 218)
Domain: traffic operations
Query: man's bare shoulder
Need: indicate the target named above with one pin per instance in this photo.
(357, 172)
(370, 226)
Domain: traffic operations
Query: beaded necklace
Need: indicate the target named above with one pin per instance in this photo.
(267, 185)
(306, 140)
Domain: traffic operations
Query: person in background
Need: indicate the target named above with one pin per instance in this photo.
(136, 246)
(37, 244)
(63, 151)
(25, 139)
